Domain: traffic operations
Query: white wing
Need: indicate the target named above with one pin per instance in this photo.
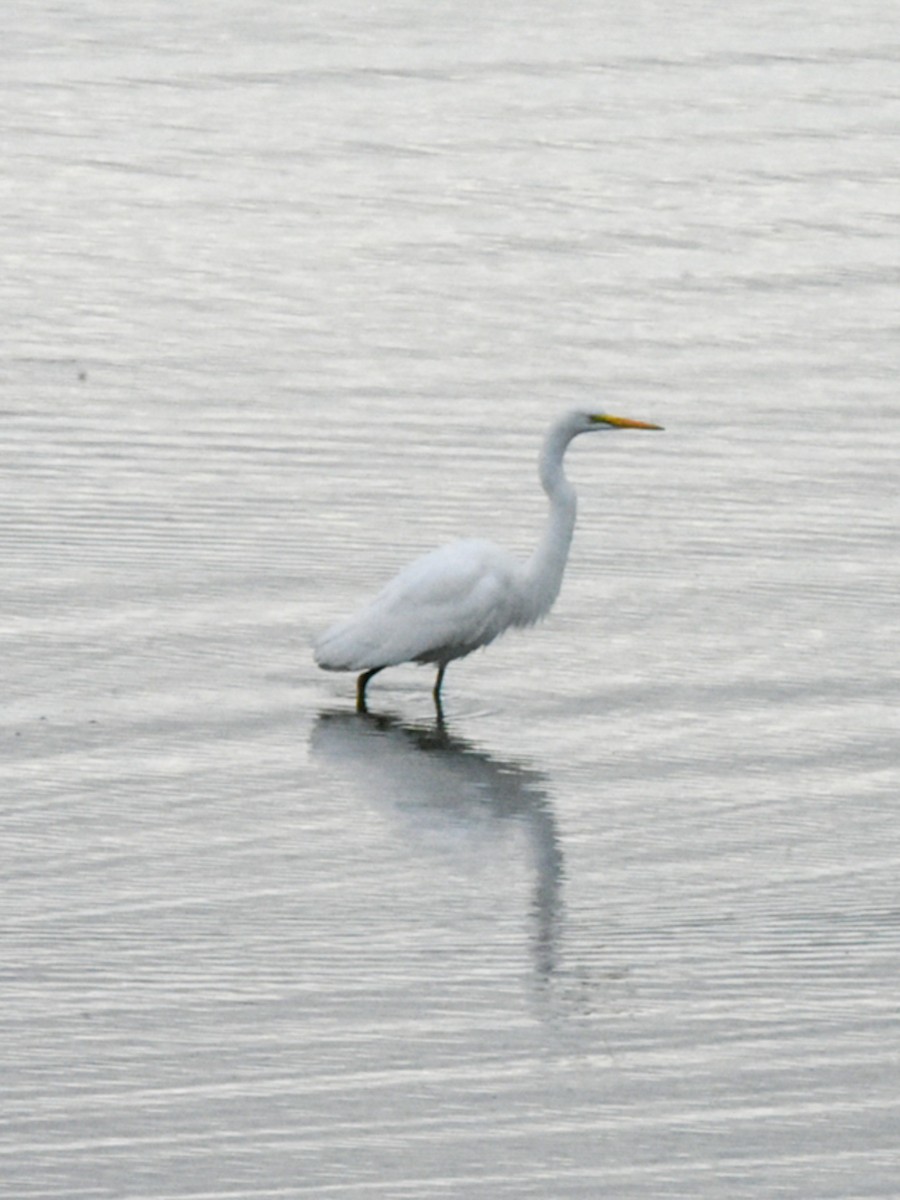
(440, 607)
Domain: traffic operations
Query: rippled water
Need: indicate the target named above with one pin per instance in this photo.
(289, 295)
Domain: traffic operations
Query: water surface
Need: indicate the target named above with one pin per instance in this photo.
(290, 296)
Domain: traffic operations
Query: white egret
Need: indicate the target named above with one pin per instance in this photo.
(464, 595)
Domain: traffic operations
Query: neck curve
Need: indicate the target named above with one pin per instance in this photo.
(544, 570)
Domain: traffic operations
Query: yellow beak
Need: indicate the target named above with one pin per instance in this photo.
(622, 422)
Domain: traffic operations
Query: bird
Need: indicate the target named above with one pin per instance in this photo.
(464, 595)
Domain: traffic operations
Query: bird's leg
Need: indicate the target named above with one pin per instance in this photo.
(361, 683)
(437, 683)
(437, 692)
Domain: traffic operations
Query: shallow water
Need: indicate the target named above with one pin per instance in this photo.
(290, 296)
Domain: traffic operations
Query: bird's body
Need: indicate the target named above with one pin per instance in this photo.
(462, 596)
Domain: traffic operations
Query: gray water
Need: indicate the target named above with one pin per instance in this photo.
(289, 294)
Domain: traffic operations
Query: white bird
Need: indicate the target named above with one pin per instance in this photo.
(462, 596)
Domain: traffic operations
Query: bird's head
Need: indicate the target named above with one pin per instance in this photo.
(571, 424)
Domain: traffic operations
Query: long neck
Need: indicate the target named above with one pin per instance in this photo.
(544, 570)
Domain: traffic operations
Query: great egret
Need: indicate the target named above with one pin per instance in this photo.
(464, 595)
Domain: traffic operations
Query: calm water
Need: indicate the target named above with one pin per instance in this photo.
(289, 294)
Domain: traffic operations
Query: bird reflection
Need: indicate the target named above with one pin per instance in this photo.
(427, 766)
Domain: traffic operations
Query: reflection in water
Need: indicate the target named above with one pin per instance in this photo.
(423, 767)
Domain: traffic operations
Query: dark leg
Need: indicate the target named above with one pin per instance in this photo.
(361, 688)
(437, 692)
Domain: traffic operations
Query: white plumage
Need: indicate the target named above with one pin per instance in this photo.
(462, 596)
